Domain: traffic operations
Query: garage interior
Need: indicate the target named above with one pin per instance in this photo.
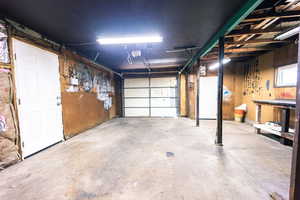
(149, 100)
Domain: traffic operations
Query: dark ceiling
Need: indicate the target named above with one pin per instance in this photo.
(182, 23)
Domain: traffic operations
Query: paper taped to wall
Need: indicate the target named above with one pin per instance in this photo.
(82, 78)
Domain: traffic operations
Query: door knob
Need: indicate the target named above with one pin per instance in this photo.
(58, 100)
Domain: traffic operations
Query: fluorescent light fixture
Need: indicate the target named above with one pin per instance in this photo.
(217, 65)
(131, 40)
(166, 60)
(288, 34)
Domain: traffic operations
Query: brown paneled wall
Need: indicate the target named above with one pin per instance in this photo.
(259, 81)
(183, 93)
(82, 110)
(249, 80)
(229, 85)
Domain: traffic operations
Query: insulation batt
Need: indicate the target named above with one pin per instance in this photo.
(8, 137)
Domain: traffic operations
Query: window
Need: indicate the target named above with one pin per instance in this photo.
(286, 75)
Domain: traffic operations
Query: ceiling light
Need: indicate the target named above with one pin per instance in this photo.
(166, 60)
(136, 53)
(288, 34)
(217, 65)
(131, 40)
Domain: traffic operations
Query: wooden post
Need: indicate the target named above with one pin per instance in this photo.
(258, 117)
(197, 96)
(122, 98)
(295, 173)
(219, 136)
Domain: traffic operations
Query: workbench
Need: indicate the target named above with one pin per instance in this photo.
(285, 106)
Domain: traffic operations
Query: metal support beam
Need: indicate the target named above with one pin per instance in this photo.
(257, 41)
(236, 33)
(179, 94)
(229, 26)
(295, 173)
(122, 99)
(285, 125)
(197, 95)
(219, 135)
(287, 14)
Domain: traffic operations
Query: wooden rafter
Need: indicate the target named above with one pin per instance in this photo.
(235, 33)
(257, 41)
(244, 50)
(210, 58)
(259, 17)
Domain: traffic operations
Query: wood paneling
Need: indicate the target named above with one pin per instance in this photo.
(82, 110)
(253, 79)
(229, 84)
(259, 74)
(191, 89)
(183, 106)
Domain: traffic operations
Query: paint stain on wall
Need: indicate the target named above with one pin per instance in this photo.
(286, 95)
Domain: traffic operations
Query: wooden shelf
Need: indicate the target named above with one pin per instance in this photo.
(266, 128)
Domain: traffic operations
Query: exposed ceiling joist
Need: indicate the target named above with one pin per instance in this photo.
(245, 50)
(257, 41)
(228, 27)
(232, 56)
(259, 17)
(235, 33)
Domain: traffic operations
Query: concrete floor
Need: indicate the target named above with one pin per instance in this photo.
(127, 159)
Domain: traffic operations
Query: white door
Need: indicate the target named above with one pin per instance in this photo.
(208, 97)
(150, 97)
(38, 94)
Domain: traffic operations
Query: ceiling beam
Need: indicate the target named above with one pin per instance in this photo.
(228, 26)
(232, 56)
(235, 33)
(257, 41)
(244, 50)
(273, 15)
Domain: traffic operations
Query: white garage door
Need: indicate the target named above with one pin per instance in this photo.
(150, 97)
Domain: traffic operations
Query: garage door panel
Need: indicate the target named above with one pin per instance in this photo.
(137, 112)
(163, 112)
(163, 92)
(136, 82)
(136, 92)
(163, 102)
(136, 102)
(163, 82)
